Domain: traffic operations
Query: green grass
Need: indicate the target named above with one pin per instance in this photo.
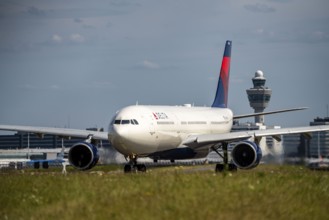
(266, 192)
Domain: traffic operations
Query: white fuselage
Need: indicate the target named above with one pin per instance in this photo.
(144, 130)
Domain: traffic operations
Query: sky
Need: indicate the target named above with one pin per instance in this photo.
(75, 63)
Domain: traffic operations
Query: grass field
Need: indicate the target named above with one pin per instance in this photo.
(266, 192)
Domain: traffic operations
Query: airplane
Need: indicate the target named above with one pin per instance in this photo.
(174, 132)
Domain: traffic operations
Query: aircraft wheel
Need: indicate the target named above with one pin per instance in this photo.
(36, 165)
(232, 167)
(141, 167)
(219, 167)
(127, 168)
(45, 165)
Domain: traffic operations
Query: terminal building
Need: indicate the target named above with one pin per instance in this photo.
(301, 147)
(23, 145)
(22, 140)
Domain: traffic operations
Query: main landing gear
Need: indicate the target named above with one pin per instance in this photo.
(132, 166)
(229, 167)
(220, 167)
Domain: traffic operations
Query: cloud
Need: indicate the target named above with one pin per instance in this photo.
(77, 38)
(60, 40)
(78, 20)
(88, 26)
(83, 24)
(280, 1)
(29, 87)
(284, 36)
(150, 65)
(34, 11)
(77, 14)
(259, 8)
(123, 3)
(101, 85)
(320, 36)
(56, 39)
(261, 32)
(38, 87)
(54, 87)
(109, 24)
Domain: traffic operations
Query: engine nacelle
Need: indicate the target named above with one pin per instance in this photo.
(83, 156)
(246, 155)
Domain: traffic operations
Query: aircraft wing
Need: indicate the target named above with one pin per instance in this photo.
(268, 113)
(199, 141)
(62, 132)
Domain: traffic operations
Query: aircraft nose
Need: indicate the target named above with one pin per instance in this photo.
(119, 133)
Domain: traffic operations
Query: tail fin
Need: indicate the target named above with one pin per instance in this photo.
(222, 87)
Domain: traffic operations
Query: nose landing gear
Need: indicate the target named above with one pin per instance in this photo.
(132, 166)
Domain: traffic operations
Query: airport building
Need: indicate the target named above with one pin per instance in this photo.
(21, 140)
(319, 144)
(23, 145)
(300, 146)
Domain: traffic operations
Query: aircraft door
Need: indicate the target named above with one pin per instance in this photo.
(151, 126)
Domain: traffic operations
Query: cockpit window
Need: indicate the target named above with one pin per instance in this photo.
(126, 122)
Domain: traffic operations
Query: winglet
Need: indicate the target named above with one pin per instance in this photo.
(223, 81)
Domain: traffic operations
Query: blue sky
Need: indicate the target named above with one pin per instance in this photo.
(75, 63)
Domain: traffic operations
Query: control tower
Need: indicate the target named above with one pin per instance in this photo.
(259, 96)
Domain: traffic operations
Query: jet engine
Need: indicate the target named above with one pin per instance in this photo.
(83, 155)
(246, 155)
